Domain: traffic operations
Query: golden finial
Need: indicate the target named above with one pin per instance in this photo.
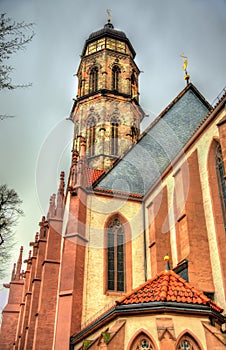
(186, 75)
(167, 259)
(109, 15)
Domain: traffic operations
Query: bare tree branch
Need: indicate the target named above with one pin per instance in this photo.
(13, 37)
(10, 211)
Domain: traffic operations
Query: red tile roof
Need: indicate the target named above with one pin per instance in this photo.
(92, 175)
(167, 286)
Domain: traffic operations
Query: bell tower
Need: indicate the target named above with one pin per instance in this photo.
(106, 111)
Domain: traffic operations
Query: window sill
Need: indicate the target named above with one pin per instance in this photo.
(114, 293)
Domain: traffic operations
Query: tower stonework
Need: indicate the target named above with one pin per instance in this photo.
(106, 111)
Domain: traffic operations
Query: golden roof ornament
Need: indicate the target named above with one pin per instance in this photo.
(185, 64)
(109, 15)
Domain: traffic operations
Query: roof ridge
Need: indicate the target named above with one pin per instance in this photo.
(214, 107)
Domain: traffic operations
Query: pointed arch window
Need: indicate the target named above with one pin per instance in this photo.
(91, 135)
(114, 136)
(93, 79)
(133, 84)
(142, 342)
(187, 343)
(115, 256)
(221, 178)
(115, 77)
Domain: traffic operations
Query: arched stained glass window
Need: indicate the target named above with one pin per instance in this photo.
(221, 179)
(187, 343)
(142, 342)
(93, 79)
(91, 133)
(115, 255)
(115, 78)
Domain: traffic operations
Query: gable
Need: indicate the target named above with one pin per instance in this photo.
(166, 137)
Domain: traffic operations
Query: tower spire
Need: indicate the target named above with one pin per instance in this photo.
(19, 264)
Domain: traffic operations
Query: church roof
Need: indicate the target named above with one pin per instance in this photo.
(167, 286)
(167, 291)
(164, 139)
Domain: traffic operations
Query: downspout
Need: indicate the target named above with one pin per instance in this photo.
(145, 243)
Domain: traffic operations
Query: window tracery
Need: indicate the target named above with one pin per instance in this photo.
(144, 344)
(187, 343)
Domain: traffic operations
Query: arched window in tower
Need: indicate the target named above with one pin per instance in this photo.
(114, 136)
(115, 77)
(80, 85)
(115, 256)
(93, 79)
(187, 342)
(91, 134)
(221, 179)
(133, 85)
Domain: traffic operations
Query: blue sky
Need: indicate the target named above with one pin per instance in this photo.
(36, 144)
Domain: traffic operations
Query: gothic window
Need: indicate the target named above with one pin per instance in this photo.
(91, 132)
(133, 84)
(80, 85)
(93, 79)
(114, 135)
(187, 343)
(142, 342)
(221, 179)
(114, 139)
(115, 78)
(115, 255)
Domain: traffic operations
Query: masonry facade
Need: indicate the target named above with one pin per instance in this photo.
(96, 276)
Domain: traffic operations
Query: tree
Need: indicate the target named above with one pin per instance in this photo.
(14, 36)
(10, 211)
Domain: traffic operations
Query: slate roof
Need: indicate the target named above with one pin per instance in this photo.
(165, 138)
(167, 286)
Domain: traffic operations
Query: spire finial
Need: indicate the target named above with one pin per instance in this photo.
(186, 75)
(109, 15)
(167, 259)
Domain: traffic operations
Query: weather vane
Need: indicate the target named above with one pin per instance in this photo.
(186, 75)
(109, 15)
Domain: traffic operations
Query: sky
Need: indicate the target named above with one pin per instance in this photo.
(36, 144)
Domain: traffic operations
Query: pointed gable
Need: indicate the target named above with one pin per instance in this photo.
(164, 139)
(167, 286)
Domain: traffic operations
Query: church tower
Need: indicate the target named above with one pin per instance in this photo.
(106, 112)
